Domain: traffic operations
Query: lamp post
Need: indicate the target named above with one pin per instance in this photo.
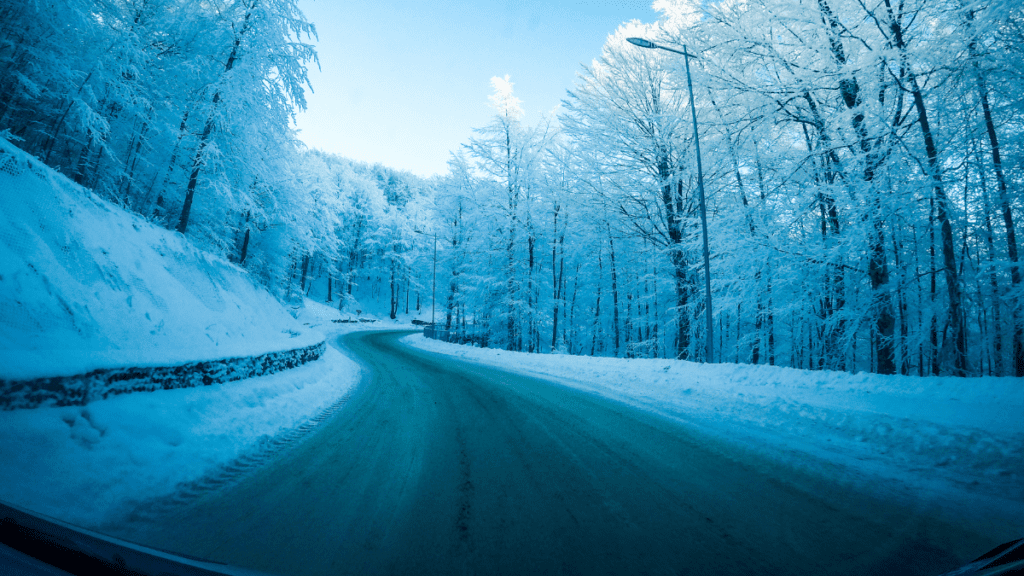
(709, 346)
(433, 289)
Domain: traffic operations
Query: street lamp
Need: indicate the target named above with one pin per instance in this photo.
(433, 289)
(643, 43)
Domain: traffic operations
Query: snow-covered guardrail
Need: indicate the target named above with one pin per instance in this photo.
(83, 388)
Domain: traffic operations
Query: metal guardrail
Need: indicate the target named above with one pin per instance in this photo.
(471, 334)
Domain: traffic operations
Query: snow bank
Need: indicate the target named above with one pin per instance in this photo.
(91, 464)
(327, 318)
(928, 432)
(85, 286)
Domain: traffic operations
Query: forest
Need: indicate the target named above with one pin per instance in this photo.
(862, 164)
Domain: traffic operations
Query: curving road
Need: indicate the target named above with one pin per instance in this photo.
(441, 467)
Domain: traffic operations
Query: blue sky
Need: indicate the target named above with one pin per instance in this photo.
(404, 82)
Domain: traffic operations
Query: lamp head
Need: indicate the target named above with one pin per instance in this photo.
(641, 42)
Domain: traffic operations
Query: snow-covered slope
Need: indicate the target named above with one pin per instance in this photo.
(92, 464)
(85, 285)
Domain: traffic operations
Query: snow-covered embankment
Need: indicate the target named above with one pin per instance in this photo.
(95, 302)
(86, 286)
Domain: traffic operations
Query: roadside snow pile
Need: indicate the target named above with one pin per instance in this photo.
(317, 316)
(85, 285)
(965, 431)
(327, 318)
(88, 464)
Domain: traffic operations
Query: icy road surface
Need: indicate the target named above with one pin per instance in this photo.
(438, 466)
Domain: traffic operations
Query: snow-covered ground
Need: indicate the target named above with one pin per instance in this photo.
(86, 285)
(85, 464)
(938, 438)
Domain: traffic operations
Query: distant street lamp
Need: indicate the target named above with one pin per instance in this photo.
(709, 346)
(433, 290)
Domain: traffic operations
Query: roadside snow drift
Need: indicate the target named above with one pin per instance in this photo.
(85, 285)
(93, 464)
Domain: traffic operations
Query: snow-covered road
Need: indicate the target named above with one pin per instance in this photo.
(945, 442)
(441, 466)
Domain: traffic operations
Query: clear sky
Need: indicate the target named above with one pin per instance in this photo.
(404, 82)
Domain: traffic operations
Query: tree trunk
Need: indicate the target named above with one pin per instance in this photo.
(671, 199)
(305, 273)
(615, 292)
(954, 351)
(393, 311)
(954, 345)
(933, 330)
(557, 278)
(1004, 204)
(245, 249)
(1011, 232)
(572, 312)
(197, 160)
(878, 271)
(997, 323)
(682, 300)
(531, 242)
(597, 307)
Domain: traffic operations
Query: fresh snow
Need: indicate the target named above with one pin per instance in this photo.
(955, 440)
(88, 464)
(86, 285)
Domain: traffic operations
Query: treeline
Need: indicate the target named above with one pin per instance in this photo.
(863, 168)
(862, 163)
(180, 111)
(174, 109)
